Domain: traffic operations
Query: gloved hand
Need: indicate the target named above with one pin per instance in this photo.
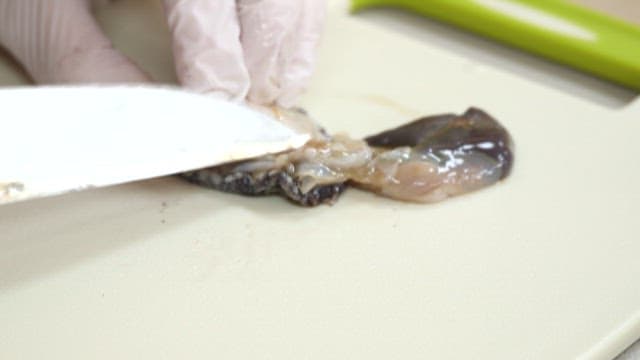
(260, 50)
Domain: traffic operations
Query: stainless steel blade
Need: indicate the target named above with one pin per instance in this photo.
(59, 139)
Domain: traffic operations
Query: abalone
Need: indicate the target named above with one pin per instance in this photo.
(426, 160)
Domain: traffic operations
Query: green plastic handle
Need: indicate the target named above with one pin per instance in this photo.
(567, 33)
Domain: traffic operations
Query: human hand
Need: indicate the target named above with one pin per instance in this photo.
(260, 50)
(263, 50)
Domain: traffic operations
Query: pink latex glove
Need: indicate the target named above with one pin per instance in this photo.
(260, 50)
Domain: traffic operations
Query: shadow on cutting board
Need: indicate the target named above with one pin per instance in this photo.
(47, 235)
(44, 236)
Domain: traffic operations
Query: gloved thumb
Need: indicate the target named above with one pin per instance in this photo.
(59, 41)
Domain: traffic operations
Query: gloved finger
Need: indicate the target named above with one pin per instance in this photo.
(206, 46)
(279, 38)
(301, 52)
(60, 42)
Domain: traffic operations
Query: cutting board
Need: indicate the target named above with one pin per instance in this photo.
(543, 266)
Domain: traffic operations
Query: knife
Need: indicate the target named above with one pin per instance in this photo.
(55, 140)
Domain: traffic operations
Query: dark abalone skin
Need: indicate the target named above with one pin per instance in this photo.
(443, 135)
(272, 182)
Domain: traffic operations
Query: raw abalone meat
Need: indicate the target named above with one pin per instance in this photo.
(427, 160)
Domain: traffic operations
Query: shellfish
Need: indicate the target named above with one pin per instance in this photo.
(427, 160)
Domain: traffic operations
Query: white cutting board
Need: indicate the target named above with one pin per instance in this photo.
(543, 266)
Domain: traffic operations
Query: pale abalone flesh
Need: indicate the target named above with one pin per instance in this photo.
(427, 160)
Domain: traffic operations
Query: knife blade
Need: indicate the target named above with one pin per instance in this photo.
(55, 140)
